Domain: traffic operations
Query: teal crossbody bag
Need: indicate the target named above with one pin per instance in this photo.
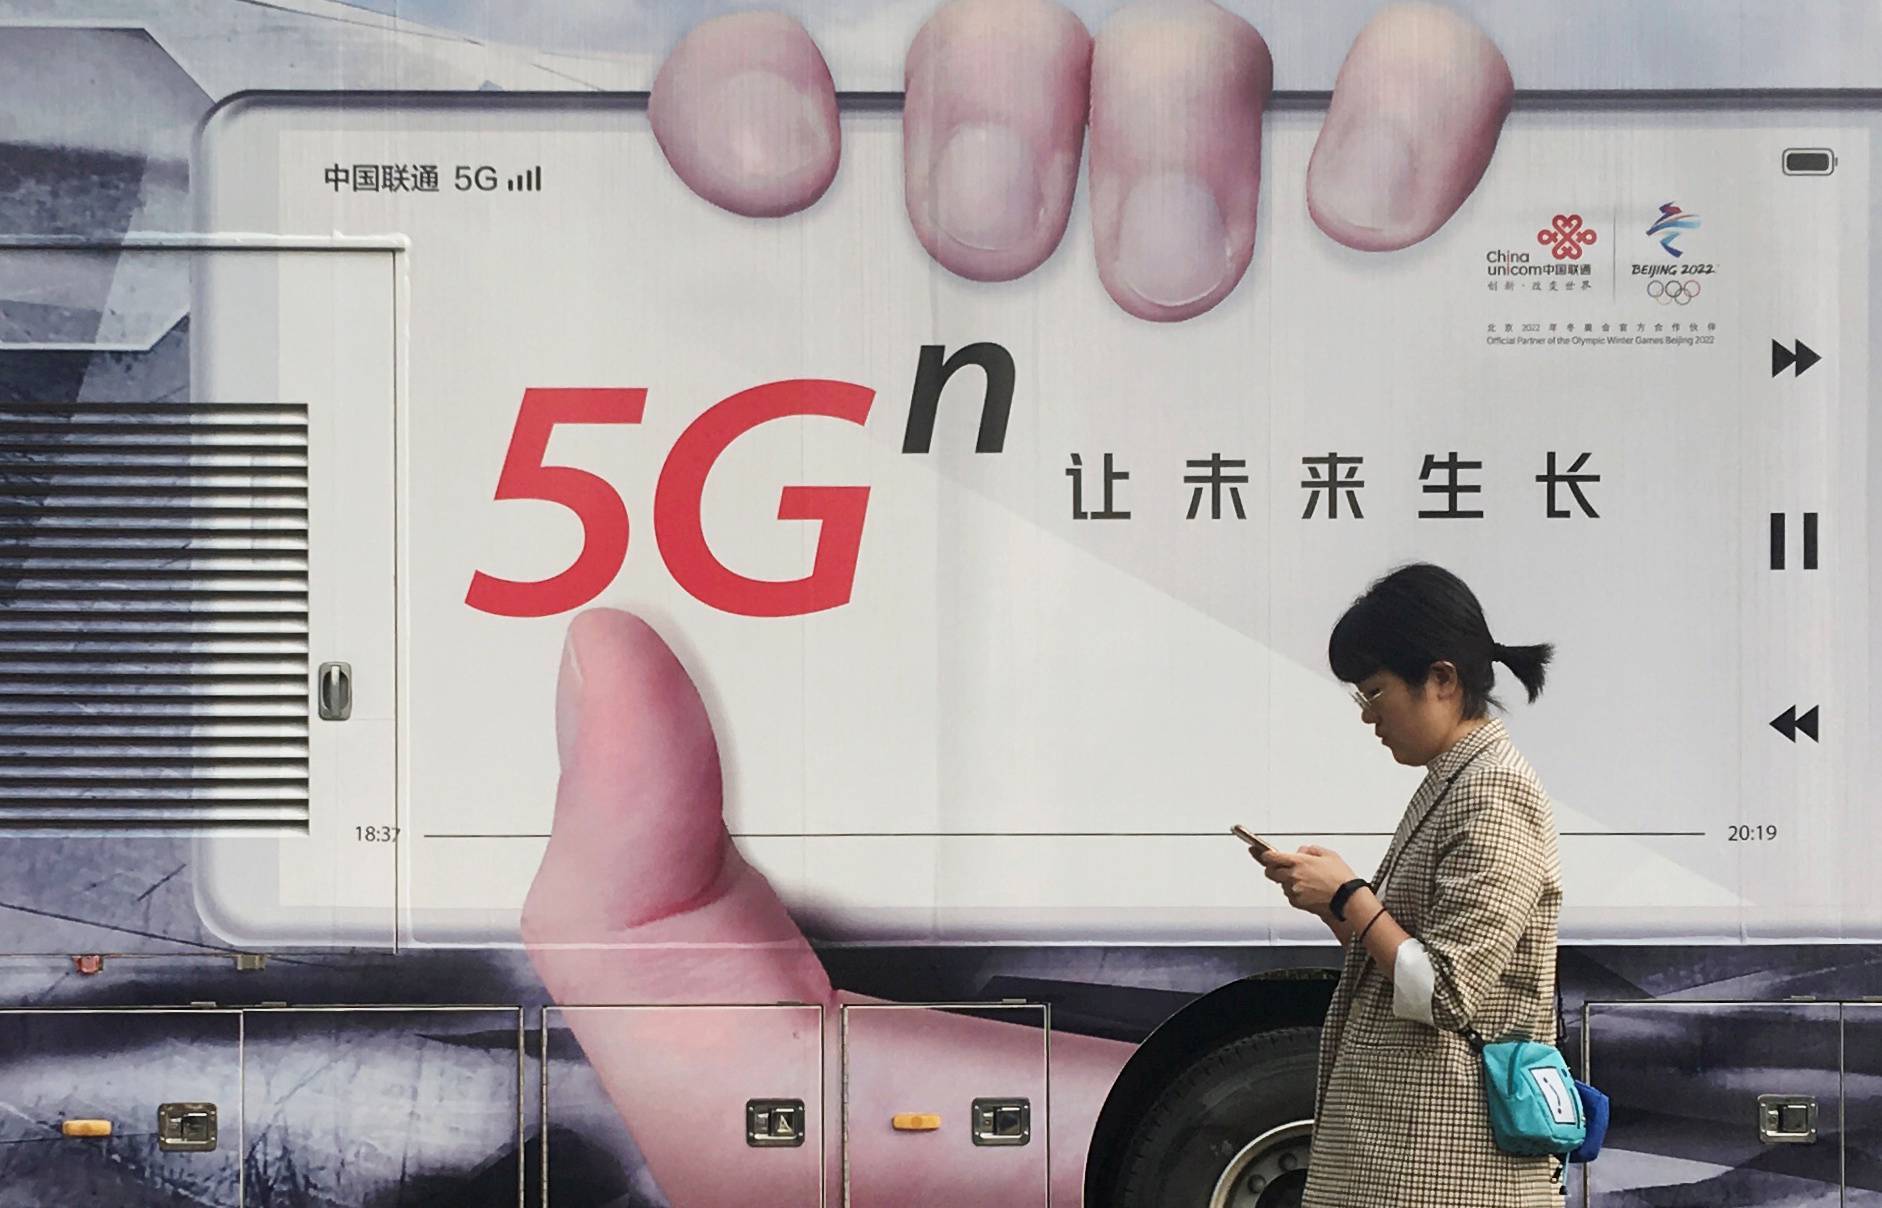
(1532, 1102)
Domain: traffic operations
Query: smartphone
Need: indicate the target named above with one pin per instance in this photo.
(1260, 846)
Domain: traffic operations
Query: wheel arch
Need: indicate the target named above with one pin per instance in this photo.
(1264, 1003)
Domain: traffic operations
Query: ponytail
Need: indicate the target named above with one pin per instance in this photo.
(1527, 662)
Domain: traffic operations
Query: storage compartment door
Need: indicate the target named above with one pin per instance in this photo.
(942, 1109)
(162, 1086)
(704, 1104)
(384, 1105)
(1717, 1103)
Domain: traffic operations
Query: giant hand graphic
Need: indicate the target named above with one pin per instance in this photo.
(998, 97)
(641, 896)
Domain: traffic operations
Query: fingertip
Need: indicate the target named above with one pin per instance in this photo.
(1177, 96)
(623, 633)
(634, 683)
(638, 750)
(996, 94)
(744, 110)
(609, 638)
(1413, 123)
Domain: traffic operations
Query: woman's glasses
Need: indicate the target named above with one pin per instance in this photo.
(1365, 700)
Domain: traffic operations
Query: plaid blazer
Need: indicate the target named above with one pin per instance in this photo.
(1400, 1118)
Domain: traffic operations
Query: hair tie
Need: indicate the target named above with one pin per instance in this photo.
(1499, 652)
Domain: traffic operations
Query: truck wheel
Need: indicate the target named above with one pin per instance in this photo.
(1232, 1131)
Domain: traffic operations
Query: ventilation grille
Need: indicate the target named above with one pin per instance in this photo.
(153, 615)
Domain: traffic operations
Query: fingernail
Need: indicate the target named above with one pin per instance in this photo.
(986, 187)
(568, 702)
(1173, 246)
(769, 128)
(1366, 179)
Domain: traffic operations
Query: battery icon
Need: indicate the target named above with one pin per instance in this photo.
(1809, 161)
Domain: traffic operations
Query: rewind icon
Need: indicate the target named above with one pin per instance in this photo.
(1788, 723)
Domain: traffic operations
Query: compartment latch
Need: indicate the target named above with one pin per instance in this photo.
(1002, 1121)
(186, 1127)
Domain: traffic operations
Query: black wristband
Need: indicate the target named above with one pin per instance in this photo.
(1361, 937)
(1343, 894)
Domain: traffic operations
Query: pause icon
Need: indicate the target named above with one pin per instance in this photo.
(1778, 527)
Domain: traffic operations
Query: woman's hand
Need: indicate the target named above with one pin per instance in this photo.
(1309, 876)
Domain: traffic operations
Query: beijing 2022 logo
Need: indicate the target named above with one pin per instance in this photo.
(1668, 226)
(1674, 284)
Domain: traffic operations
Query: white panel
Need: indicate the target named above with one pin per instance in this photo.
(1025, 725)
(317, 327)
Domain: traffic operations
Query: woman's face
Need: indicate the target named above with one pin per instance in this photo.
(1415, 724)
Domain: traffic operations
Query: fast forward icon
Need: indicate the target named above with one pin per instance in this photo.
(1788, 723)
(1803, 356)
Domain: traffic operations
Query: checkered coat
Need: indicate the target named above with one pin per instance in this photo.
(1400, 1105)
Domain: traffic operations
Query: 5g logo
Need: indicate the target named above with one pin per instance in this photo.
(839, 510)
(677, 496)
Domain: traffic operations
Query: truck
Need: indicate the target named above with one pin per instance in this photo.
(533, 671)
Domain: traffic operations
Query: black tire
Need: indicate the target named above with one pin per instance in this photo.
(1210, 1112)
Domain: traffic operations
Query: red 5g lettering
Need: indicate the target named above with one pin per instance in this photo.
(677, 529)
(838, 509)
(594, 502)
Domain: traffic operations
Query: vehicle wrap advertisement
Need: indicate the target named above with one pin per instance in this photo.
(623, 604)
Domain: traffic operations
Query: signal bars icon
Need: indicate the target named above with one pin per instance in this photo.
(525, 182)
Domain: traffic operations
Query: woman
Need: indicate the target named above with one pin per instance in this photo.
(1460, 929)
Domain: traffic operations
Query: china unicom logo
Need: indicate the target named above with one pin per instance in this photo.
(1671, 222)
(1566, 236)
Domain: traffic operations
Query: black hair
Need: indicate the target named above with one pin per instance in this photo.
(1423, 614)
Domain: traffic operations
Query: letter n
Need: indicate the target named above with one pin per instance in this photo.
(931, 378)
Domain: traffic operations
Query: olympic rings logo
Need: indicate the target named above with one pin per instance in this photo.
(1676, 290)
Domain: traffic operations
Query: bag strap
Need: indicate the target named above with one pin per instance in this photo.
(1561, 1020)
